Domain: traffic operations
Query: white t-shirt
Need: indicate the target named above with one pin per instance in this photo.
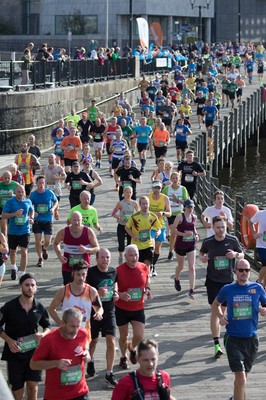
(260, 217)
(210, 212)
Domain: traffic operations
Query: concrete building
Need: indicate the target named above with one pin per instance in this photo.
(108, 22)
(243, 19)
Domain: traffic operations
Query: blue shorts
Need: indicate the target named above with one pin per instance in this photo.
(161, 237)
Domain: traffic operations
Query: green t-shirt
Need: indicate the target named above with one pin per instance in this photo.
(75, 118)
(89, 217)
(7, 191)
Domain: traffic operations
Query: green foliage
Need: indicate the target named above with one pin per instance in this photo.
(75, 23)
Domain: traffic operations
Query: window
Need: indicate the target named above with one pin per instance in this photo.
(77, 23)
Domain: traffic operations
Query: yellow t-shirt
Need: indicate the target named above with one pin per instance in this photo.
(141, 226)
(158, 206)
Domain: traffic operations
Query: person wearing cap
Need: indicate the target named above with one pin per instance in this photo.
(159, 204)
(71, 145)
(220, 252)
(89, 213)
(139, 227)
(184, 227)
(84, 127)
(245, 301)
(20, 319)
(190, 170)
(76, 181)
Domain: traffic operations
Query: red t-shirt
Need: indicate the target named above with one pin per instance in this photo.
(54, 347)
(133, 281)
(125, 386)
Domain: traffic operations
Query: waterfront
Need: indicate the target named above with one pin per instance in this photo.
(247, 179)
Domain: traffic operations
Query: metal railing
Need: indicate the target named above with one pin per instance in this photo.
(58, 73)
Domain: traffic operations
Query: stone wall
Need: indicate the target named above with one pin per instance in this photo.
(24, 110)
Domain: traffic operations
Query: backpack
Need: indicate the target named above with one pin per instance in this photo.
(138, 393)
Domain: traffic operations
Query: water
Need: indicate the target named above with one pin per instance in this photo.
(248, 175)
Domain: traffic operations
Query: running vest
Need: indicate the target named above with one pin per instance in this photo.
(71, 248)
(139, 392)
(82, 302)
(27, 173)
(175, 207)
(126, 211)
(158, 206)
(118, 149)
(183, 242)
(110, 134)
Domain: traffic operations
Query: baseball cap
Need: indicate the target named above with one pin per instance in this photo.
(75, 163)
(188, 203)
(157, 184)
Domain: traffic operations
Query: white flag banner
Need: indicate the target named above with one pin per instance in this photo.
(143, 28)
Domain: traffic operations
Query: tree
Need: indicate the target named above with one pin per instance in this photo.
(75, 23)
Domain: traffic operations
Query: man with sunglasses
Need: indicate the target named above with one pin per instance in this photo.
(243, 300)
(220, 251)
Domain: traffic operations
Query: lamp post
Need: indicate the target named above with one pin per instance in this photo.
(208, 2)
(130, 24)
(107, 25)
(239, 22)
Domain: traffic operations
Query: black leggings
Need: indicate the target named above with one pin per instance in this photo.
(121, 235)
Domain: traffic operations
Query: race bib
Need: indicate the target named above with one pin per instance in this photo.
(42, 208)
(21, 220)
(189, 178)
(98, 136)
(126, 184)
(242, 310)
(23, 169)
(127, 215)
(161, 144)
(27, 343)
(188, 238)
(74, 259)
(144, 235)
(72, 376)
(135, 294)
(76, 185)
(221, 262)
(264, 236)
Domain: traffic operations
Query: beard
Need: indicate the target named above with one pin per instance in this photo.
(23, 151)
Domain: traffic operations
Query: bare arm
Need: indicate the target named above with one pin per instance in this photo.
(55, 303)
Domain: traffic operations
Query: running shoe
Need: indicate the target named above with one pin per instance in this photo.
(170, 256)
(217, 351)
(154, 272)
(123, 363)
(191, 294)
(14, 274)
(110, 380)
(177, 285)
(90, 369)
(40, 263)
(132, 356)
(44, 253)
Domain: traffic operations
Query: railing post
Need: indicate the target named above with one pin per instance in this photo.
(11, 71)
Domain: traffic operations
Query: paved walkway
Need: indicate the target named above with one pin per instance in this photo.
(180, 325)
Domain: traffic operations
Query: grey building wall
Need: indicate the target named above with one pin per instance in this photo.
(252, 20)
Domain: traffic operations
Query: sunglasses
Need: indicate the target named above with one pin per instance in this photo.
(243, 270)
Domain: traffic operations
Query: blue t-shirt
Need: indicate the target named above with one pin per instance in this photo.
(18, 225)
(143, 133)
(42, 203)
(242, 307)
(211, 113)
(181, 129)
